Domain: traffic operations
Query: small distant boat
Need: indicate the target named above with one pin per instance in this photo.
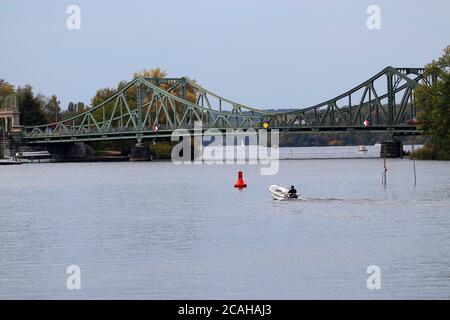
(280, 192)
(362, 148)
(9, 161)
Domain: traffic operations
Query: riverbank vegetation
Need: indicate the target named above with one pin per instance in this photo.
(432, 99)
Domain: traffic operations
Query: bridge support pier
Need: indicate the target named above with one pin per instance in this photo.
(140, 152)
(391, 149)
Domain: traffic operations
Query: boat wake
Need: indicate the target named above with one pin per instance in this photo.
(325, 199)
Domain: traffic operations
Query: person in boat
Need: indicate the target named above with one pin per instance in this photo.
(292, 192)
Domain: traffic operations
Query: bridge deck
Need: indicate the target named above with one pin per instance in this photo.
(166, 134)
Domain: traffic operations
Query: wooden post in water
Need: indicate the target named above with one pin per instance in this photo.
(383, 174)
(414, 163)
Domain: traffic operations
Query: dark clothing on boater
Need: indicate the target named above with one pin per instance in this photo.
(292, 192)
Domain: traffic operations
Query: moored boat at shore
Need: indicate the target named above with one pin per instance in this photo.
(9, 161)
(35, 156)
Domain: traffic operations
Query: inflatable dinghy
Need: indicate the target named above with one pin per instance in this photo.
(280, 192)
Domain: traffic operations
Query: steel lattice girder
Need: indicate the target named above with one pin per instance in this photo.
(142, 104)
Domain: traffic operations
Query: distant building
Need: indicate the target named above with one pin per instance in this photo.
(10, 115)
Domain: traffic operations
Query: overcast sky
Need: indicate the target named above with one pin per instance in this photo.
(268, 54)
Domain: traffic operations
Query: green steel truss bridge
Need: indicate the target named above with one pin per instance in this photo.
(151, 108)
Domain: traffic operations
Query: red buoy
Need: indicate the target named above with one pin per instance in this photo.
(240, 181)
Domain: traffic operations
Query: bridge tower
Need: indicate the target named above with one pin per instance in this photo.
(391, 148)
(391, 102)
(139, 152)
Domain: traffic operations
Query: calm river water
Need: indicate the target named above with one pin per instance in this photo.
(157, 230)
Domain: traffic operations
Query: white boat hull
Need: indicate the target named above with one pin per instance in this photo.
(25, 160)
(5, 162)
(279, 192)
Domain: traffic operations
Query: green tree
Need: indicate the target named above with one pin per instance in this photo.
(102, 95)
(433, 102)
(52, 109)
(6, 89)
(30, 107)
(152, 73)
(72, 110)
